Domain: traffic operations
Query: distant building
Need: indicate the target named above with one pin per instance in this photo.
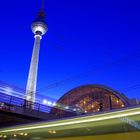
(91, 99)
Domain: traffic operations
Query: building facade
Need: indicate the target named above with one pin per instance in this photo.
(91, 99)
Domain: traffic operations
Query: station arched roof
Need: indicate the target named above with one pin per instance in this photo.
(90, 98)
(92, 88)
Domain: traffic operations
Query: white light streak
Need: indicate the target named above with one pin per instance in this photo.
(49, 103)
(87, 119)
(45, 101)
(67, 107)
(28, 97)
(54, 104)
(8, 90)
(12, 92)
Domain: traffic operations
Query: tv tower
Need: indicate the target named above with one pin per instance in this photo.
(39, 28)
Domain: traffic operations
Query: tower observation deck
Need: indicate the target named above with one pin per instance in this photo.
(39, 28)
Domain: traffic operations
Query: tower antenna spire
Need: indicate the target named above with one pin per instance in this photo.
(43, 5)
(42, 13)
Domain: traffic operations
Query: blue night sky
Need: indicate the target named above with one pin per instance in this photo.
(88, 42)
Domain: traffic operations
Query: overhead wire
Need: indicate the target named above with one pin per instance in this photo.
(83, 74)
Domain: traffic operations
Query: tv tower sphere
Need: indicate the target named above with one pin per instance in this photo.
(39, 28)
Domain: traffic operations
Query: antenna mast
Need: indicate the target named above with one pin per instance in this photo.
(43, 5)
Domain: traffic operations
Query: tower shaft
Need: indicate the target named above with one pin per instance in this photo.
(32, 77)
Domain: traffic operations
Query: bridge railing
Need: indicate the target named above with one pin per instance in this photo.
(8, 102)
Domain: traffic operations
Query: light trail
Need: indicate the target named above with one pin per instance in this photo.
(85, 119)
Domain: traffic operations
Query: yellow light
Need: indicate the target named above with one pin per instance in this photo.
(54, 132)
(21, 134)
(117, 101)
(15, 135)
(0, 136)
(4, 136)
(49, 131)
(25, 134)
(92, 106)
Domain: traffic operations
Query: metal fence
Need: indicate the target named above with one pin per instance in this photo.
(8, 102)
